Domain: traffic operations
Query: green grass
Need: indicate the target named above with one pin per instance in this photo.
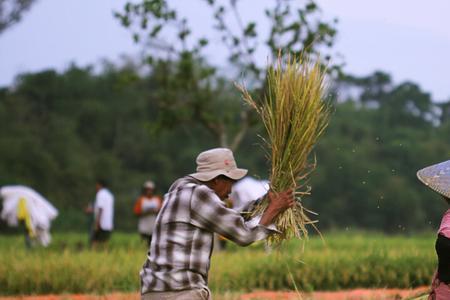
(347, 260)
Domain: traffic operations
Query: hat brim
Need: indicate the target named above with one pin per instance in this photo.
(437, 178)
(234, 174)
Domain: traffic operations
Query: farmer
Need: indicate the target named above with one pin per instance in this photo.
(178, 261)
(437, 177)
(146, 208)
(103, 214)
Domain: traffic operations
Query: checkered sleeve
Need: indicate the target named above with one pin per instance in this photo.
(209, 212)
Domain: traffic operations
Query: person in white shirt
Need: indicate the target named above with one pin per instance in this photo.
(103, 214)
(245, 191)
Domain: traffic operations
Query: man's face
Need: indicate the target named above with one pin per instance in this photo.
(148, 192)
(222, 186)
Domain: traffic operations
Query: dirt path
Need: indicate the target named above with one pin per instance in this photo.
(359, 294)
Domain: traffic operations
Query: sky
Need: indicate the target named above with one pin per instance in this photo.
(410, 39)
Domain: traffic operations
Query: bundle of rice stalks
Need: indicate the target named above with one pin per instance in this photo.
(295, 115)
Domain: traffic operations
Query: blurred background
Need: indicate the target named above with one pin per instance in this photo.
(132, 91)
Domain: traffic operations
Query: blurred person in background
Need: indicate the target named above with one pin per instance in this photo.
(245, 191)
(103, 214)
(437, 177)
(178, 262)
(146, 208)
(24, 207)
(244, 194)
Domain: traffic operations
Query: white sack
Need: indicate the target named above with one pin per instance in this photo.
(246, 191)
(40, 210)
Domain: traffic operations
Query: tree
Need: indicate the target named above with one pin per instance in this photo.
(11, 12)
(402, 105)
(60, 130)
(445, 112)
(177, 57)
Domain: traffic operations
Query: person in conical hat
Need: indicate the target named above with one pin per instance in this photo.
(178, 260)
(437, 178)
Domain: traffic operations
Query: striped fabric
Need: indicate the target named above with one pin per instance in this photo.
(181, 247)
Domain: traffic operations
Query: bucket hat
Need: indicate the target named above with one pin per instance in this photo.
(148, 185)
(215, 162)
(437, 177)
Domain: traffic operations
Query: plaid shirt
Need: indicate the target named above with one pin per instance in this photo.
(182, 241)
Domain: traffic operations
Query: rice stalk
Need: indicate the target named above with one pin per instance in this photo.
(294, 115)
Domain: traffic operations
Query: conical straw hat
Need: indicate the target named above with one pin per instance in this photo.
(437, 177)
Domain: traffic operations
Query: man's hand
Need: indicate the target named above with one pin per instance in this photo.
(89, 209)
(281, 201)
(278, 203)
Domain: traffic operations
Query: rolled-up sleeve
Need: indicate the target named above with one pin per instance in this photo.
(208, 211)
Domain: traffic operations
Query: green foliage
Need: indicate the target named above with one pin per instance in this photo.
(11, 12)
(344, 261)
(369, 156)
(293, 28)
(177, 54)
(61, 131)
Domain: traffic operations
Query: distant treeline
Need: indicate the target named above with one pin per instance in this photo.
(61, 131)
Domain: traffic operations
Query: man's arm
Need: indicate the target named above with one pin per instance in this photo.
(210, 213)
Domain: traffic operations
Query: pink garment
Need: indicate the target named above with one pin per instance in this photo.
(439, 290)
(444, 229)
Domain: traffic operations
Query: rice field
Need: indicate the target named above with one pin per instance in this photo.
(346, 260)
